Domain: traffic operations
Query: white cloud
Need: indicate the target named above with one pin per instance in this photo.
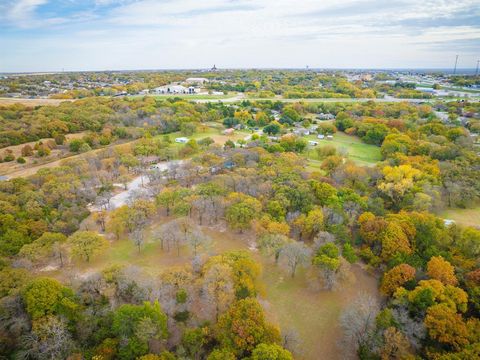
(248, 33)
(21, 11)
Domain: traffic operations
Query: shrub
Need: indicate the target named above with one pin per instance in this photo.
(8, 156)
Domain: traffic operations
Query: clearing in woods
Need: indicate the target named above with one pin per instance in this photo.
(32, 102)
(358, 151)
(313, 316)
(466, 217)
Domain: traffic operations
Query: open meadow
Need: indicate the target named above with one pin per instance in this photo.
(361, 153)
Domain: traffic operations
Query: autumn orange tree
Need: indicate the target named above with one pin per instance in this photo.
(440, 269)
(396, 277)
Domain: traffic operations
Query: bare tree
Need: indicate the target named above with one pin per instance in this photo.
(138, 238)
(197, 241)
(59, 251)
(166, 234)
(218, 289)
(322, 238)
(50, 340)
(291, 341)
(272, 245)
(358, 322)
(296, 254)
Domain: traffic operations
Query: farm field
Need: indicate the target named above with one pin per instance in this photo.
(358, 151)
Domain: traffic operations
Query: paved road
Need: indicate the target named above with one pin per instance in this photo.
(345, 100)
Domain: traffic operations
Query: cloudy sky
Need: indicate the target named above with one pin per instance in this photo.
(51, 35)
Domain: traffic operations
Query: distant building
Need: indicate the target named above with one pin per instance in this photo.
(323, 116)
(301, 132)
(181, 140)
(329, 137)
(321, 137)
(229, 131)
(194, 80)
(214, 68)
(174, 89)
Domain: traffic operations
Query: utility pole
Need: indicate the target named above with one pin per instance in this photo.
(455, 68)
(476, 70)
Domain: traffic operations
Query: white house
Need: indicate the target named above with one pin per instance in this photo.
(301, 132)
(327, 116)
(181, 140)
(174, 89)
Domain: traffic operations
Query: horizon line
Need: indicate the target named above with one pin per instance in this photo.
(442, 69)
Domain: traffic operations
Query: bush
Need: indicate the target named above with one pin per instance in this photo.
(8, 156)
(27, 151)
(75, 145)
(325, 151)
(21, 160)
(349, 253)
(84, 148)
(182, 316)
(60, 139)
(43, 150)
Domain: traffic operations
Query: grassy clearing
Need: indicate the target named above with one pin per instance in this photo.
(151, 257)
(213, 131)
(313, 315)
(361, 153)
(288, 302)
(466, 217)
(32, 102)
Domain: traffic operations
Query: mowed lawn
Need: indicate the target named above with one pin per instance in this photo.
(363, 154)
(466, 217)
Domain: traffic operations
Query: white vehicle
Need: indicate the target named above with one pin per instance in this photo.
(181, 140)
(313, 143)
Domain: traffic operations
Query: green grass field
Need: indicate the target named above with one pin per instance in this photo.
(214, 131)
(466, 217)
(363, 154)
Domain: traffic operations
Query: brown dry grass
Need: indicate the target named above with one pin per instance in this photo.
(13, 169)
(31, 102)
